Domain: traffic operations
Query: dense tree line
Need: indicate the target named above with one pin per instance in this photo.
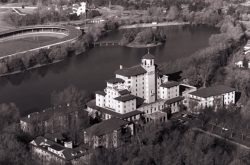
(13, 148)
(170, 143)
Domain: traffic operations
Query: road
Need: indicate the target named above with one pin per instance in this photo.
(214, 130)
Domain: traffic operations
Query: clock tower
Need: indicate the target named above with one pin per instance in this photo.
(148, 63)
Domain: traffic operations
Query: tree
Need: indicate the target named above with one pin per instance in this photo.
(245, 62)
(173, 13)
(69, 96)
(8, 114)
(12, 151)
(3, 67)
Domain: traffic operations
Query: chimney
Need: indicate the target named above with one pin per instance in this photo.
(121, 67)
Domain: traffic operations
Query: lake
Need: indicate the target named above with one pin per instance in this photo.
(31, 90)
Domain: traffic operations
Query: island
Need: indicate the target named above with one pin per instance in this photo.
(141, 38)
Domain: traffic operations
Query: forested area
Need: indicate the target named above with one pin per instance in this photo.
(13, 149)
(147, 36)
(172, 144)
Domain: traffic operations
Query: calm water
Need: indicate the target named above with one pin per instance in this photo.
(31, 90)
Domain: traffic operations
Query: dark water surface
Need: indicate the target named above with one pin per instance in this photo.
(31, 90)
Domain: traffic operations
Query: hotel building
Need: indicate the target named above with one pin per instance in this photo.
(134, 90)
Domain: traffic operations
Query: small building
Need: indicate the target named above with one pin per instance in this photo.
(79, 9)
(239, 64)
(110, 133)
(174, 104)
(57, 150)
(158, 116)
(50, 120)
(219, 95)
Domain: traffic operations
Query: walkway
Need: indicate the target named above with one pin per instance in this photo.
(153, 25)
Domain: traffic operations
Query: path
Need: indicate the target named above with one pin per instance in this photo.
(153, 25)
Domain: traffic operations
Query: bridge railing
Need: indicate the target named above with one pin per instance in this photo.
(107, 43)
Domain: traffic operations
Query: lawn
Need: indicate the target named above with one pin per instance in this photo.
(22, 44)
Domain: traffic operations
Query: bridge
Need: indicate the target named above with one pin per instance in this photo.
(107, 43)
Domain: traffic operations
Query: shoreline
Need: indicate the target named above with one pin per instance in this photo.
(34, 67)
(143, 25)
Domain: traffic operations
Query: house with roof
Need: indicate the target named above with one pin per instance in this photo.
(217, 96)
(50, 120)
(54, 148)
(109, 133)
(79, 9)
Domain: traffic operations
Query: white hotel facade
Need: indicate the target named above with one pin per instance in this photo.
(133, 91)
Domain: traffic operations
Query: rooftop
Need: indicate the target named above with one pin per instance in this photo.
(132, 71)
(148, 56)
(125, 98)
(170, 84)
(124, 92)
(48, 113)
(174, 100)
(57, 147)
(115, 80)
(212, 91)
(100, 93)
(53, 136)
(106, 126)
